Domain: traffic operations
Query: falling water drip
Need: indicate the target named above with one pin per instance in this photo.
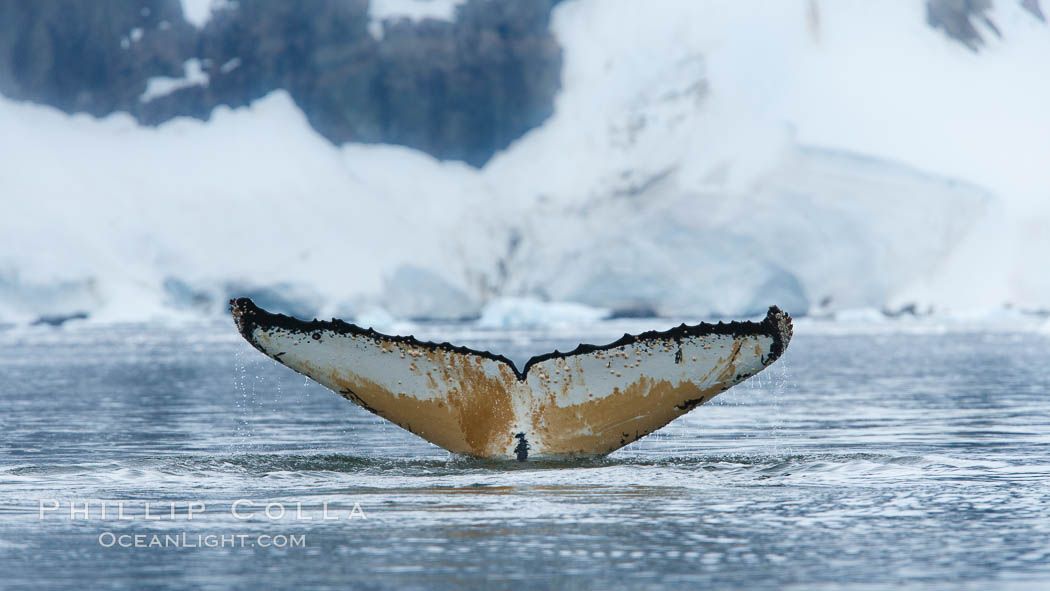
(779, 378)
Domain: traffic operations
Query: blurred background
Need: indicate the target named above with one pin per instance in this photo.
(523, 161)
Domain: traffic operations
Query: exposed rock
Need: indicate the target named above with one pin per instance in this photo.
(92, 57)
(960, 19)
(58, 320)
(956, 18)
(1033, 7)
(457, 90)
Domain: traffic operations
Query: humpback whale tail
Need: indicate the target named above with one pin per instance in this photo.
(589, 401)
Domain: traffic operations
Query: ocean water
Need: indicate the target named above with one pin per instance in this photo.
(860, 461)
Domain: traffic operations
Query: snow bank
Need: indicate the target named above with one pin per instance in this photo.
(128, 222)
(162, 86)
(676, 169)
(527, 312)
(704, 158)
(414, 10)
(198, 12)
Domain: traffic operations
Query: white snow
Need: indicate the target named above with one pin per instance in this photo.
(530, 312)
(413, 10)
(686, 181)
(230, 65)
(704, 158)
(129, 222)
(888, 86)
(198, 12)
(162, 86)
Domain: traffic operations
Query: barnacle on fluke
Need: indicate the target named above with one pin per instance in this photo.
(589, 401)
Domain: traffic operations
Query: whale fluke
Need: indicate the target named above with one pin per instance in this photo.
(590, 401)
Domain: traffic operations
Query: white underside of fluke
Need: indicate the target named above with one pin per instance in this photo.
(590, 401)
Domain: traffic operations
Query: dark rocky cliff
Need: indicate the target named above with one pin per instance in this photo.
(457, 90)
(969, 21)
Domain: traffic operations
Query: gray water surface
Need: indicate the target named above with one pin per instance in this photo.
(857, 461)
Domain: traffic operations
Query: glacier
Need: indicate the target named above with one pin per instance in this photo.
(704, 159)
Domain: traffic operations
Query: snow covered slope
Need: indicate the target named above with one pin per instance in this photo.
(705, 158)
(720, 99)
(133, 221)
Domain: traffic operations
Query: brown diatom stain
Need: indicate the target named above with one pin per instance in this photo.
(473, 420)
(730, 367)
(484, 405)
(606, 424)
